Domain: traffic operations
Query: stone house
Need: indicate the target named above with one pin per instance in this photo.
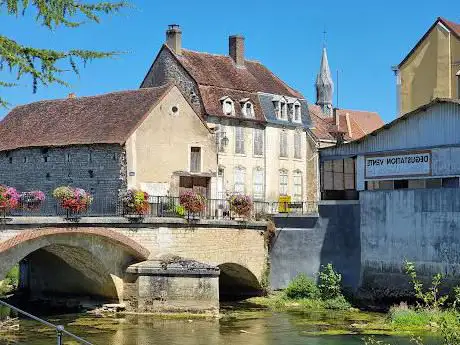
(260, 122)
(108, 143)
(267, 134)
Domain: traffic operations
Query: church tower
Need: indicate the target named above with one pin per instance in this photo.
(324, 86)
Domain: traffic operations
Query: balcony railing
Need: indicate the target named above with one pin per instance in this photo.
(166, 206)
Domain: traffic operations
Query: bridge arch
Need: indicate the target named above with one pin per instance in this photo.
(89, 261)
(237, 282)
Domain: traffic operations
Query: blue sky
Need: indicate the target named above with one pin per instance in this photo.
(364, 39)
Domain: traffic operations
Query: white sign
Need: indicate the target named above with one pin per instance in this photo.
(407, 164)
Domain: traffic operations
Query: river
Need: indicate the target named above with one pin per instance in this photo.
(239, 325)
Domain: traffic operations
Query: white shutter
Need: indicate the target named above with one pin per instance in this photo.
(239, 140)
(258, 187)
(258, 142)
(297, 145)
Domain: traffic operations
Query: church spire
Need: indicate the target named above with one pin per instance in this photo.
(324, 86)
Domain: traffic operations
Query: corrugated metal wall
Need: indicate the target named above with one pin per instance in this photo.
(437, 126)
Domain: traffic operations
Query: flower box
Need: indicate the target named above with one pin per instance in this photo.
(9, 200)
(135, 204)
(193, 203)
(241, 206)
(73, 200)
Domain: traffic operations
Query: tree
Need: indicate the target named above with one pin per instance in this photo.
(44, 65)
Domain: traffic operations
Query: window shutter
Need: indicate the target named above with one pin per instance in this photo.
(239, 140)
(297, 145)
(283, 144)
(195, 159)
(258, 142)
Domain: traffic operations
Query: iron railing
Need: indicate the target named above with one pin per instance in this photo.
(60, 330)
(165, 206)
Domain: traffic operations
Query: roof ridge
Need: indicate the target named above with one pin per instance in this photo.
(357, 110)
(92, 96)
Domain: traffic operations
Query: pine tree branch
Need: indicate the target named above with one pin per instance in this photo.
(52, 13)
(41, 64)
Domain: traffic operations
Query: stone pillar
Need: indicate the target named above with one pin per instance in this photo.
(172, 285)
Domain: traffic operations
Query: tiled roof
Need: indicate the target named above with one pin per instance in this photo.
(103, 119)
(360, 123)
(211, 96)
(221, 71)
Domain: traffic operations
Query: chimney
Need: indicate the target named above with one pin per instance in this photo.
(236, 49)
(174, 38)
(72, 95)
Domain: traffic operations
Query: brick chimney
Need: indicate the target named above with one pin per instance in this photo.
(174, 38)
(72, 95)
(236, 49)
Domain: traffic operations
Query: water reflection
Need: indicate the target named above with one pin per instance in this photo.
(240, 328)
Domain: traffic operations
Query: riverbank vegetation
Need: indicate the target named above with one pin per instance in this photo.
(433, 314)
(305, 293)
(10, 283)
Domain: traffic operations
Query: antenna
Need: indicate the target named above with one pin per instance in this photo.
(337, 93)
(324, 37)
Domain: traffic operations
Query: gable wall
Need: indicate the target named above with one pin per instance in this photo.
(161, 144)
(165, 70)
(427, 73)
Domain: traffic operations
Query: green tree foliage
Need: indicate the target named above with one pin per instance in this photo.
(43, 65)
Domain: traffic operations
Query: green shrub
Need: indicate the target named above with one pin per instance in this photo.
(337, 303)
(430, 298)
(407, 317)
(329, 283)
(302, 287)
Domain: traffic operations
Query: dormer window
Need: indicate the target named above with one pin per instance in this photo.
(228, 107)
(247, 108)
(281, 107)
(297, 112)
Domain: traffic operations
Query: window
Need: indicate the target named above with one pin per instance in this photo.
(258, 142)
(25, 159)
(283, 110)
(401, 184)
(297, 183)
(239, 140)
(297, 113)
(240, 176)
(248, 109)
(10, 160)
(195, 159)
(283, 144)
(227, 107)
(45, 159)
(258, 184)
(338, 174)
(283, 182)
(297, 145)
(67, 157)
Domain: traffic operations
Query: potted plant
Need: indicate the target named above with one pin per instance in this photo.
(32, 201)
(9, 200)
(73, 200)
(241, 205)
(192, 202)
(135, 203)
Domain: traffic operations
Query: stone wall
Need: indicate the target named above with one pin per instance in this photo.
(95, 168)
(165, 70)
(303, 243)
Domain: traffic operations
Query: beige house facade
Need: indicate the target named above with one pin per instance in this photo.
(432, 68)
(172, 149)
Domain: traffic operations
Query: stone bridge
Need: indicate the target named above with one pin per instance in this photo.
(90, 258)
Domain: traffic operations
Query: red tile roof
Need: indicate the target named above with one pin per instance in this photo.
(360, 123)
(209, 95)
(221, 71)
(104, 119)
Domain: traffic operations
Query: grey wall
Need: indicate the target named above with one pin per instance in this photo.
(422, 226)
(303, 244)
(26, 169)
